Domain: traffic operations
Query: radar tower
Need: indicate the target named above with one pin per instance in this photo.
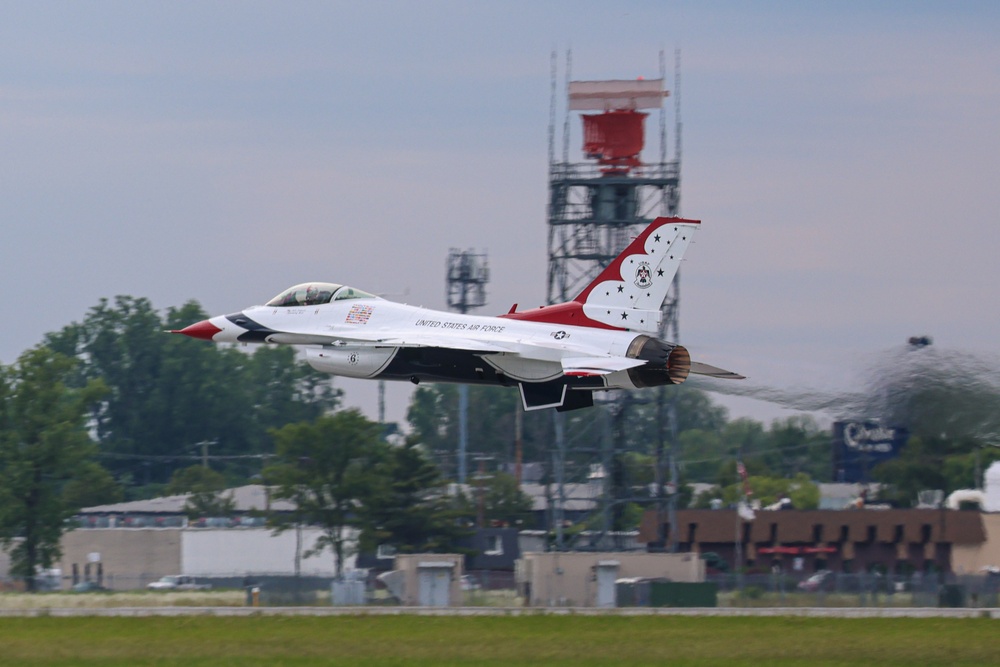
(595, 207)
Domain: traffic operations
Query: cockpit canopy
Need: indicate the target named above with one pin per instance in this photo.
(315, 294)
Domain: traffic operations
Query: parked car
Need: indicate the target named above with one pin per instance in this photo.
(87, 587)
(822, 580)
(714, 563)
(177, 582)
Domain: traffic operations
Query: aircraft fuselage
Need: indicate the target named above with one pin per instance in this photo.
(458, 348)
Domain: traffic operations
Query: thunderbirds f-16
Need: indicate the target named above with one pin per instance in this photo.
(557, 355)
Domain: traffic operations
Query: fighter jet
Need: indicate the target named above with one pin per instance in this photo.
(557, 355)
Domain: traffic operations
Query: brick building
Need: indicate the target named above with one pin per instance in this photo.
(895, 540)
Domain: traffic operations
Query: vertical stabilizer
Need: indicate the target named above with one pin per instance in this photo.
(629, 292)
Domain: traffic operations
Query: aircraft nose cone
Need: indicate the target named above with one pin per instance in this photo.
(204, 330)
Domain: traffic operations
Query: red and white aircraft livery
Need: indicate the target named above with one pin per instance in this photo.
(556, 355)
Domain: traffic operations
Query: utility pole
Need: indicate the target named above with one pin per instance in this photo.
(205, 444)
(518, 443)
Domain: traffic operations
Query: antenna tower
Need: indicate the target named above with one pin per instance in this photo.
(468, 274)
(596, 206)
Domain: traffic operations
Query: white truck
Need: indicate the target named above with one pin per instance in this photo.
(177, 582)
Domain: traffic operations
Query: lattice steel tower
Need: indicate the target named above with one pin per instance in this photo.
(596, 206)
(468, 273)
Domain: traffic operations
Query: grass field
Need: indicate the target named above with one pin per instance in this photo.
(523, 640)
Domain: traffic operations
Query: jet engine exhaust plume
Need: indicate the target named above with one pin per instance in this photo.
(927, 389)
(936, 391)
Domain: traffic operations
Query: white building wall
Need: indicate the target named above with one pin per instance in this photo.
(569, 579)
(991, 487)
(241, 551)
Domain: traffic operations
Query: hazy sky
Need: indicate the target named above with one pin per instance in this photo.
(844, 157)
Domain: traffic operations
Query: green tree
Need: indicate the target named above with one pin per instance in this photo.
(433, 418)
(695, 410)
(328, 469)
(167, 393)
(412, 510)
(648, 425)
(929, 462)
(789, 447)
(43, 447)
(205, 487)
(802, 491)
(503, 501)
(194, 479)
(797, 444)
(702, 453)
(94, 485)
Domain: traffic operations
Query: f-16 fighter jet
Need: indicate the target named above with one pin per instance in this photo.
(557, 356)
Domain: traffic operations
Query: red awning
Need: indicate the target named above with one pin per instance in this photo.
(796, 550)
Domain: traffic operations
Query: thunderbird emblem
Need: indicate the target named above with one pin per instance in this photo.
(643, 276)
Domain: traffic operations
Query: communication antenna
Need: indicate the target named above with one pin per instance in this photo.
(468, 274)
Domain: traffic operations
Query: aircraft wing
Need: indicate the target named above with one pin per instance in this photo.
(418, 340)
(411, 339)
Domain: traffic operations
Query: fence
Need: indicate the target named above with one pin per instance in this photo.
(499, 589)
(832, 589)
(827, 589)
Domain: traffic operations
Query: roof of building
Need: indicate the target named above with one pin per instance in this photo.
(579, 497)
(246, 498)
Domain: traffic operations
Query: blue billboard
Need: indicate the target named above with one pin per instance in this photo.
(860, 446)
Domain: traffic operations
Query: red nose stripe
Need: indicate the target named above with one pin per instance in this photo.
(204, 330)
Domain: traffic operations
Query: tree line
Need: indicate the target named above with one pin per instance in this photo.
(111, 408)
(166, 396)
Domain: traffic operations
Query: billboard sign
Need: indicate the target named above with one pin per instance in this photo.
(860, 446)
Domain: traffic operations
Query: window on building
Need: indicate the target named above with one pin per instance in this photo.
(494, 546)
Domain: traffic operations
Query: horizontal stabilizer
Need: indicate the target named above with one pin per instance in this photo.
(586, 366)
(712, 371)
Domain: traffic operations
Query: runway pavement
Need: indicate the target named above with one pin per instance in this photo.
(830, 612)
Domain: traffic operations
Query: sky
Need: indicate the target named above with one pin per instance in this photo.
(843, 157)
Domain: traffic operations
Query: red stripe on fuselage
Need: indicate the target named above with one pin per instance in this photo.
(569, 313)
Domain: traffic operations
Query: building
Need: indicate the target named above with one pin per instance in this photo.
(587, 579)
(128, 545)
(894, 540)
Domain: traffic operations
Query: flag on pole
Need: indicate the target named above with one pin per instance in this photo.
(743, 506)
(742, 470)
